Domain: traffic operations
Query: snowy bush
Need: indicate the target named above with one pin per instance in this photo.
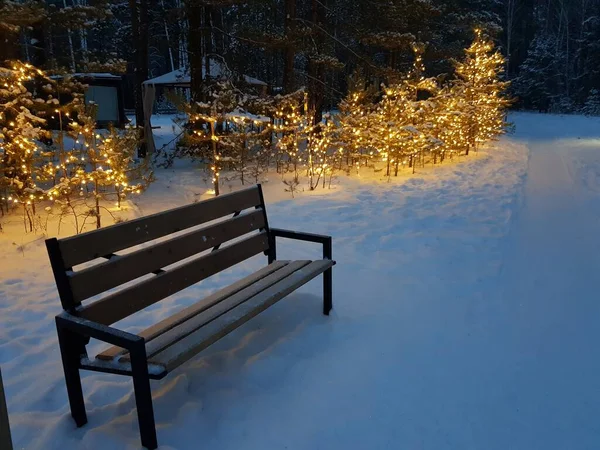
(74, 168)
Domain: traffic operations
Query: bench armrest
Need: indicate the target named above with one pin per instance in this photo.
(307, 237)
(88, 328)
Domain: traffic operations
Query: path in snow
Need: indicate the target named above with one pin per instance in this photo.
(550, 363)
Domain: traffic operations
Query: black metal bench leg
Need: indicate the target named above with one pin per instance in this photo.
(327, 291)
(327, 278)
(69, 351)
(143, 396)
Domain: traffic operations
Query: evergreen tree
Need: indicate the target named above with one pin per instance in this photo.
(592, 104)
(21, 126)
(538, 83)
(355, 109)
(479, 77)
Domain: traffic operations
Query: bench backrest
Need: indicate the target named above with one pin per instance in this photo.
(146, 269)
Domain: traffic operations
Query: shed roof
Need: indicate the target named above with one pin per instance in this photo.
(181, 77)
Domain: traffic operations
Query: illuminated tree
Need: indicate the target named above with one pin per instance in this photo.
(451, 126)
(124, 173)
(224, 134)
(393, 126)
(21, 126)
(321, 151)
(291, 127)
(421, 140)
(206, 126)
(103, 165)
(479, 83)
(65, 171)
(354, 117)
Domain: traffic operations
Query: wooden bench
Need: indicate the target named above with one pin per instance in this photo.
(180, 248)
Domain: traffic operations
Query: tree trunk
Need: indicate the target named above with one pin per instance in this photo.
(194, 14)
(510, 20)
(316, 71)
(167, 35)
(182, 31)
(208, 42)
(70, 38)
(48, 57)
(139, 31)
(215, 158)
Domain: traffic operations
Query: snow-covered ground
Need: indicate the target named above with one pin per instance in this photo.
(465, 317)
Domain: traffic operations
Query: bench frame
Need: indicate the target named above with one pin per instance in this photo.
(74, 333)
(5, 439)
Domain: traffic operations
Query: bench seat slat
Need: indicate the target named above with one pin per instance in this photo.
(189, 346)
(189, 312)
(185, 329)
(95, 244)
(128, 301)
(155, 372)
(121, 269)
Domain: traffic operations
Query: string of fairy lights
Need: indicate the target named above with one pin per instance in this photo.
(402, 123)
(398, 127)
(79, 163)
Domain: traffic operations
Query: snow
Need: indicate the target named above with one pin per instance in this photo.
(182, 76)
(97, 75)
(179, 76)
(465, 316)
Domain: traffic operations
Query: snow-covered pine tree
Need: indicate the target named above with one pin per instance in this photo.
(206, 136)
(322, 143)
(124, 173)
(452, 124)
(479, 74)
(15, 20)
(592, 104)
(538, 83)
(291, 126)
(392, 126)
(64, 171)
(354, 117)
(249, 141)
(98, 169)
(21, 127)
(422, 90)
(92, 163)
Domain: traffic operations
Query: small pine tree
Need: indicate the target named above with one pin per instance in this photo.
(353, 117)
(392, 126)
(97, 167)
(125, 173)
(538, 82)
(212, 135)
(248, 139)
(291, 126)
(21, 128)
(479, 77)
(321, 151)
(452, 123)
(592, 104)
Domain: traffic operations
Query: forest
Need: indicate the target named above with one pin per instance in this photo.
(550, 45)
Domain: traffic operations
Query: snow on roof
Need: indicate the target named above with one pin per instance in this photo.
(248, 116)
(88, 75)
(181, 77)
(255, 81)
(97, 75)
